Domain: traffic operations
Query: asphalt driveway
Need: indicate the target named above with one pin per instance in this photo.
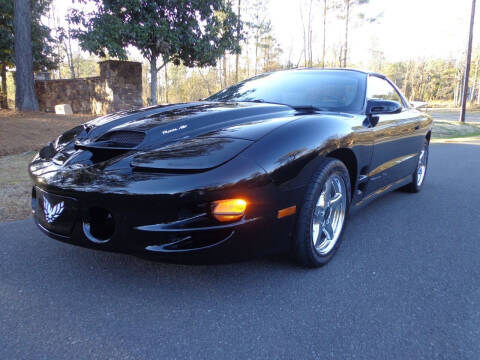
(404, 285)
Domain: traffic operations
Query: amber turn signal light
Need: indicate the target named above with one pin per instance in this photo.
(229, 210)
(286, 212)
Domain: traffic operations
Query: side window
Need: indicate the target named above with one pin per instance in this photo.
(380, 89)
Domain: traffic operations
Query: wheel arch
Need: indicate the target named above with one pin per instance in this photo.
(429, 135)
(348, 157)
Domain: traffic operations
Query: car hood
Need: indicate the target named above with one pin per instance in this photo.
(153, 127)
(193, 136)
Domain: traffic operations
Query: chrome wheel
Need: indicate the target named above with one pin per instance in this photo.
(329, 214)
(422, 165)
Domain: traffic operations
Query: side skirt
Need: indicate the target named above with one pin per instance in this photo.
(383, 190)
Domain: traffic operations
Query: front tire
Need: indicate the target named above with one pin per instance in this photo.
(321, 220)
(418, 177)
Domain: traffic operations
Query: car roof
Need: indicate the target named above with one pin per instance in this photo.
(336, 70)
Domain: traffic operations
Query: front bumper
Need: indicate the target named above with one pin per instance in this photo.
(159, 226)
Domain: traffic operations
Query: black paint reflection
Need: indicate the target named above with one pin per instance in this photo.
(197, 153)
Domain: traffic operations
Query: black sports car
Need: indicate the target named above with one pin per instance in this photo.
(272, 164)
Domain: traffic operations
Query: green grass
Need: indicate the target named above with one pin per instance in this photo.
(452, 129)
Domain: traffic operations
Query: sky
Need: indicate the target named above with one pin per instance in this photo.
(406, 29)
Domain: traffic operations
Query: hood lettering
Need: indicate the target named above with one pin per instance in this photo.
(164, 132)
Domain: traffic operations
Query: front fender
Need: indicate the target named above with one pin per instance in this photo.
(292, 153)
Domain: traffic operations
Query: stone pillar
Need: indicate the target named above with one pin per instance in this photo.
(121, 86)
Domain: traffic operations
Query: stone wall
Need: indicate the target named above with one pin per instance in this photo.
(119, 87)
(79, 93)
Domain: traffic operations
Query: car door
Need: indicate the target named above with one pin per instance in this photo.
(394, 154)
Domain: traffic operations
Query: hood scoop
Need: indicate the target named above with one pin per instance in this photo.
(114, 140)
(111, 144)
(122, 139)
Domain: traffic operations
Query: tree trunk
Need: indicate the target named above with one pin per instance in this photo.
(478, 97)
(455, 89)
(405, 81)
(347, 18)
(4, 94)
(310, 50)
(256, 55)
(248, 60)
(225, 70)
(305, 42)
(457, 93)
(324, 31)
(305, 51)
(166, 83)
(153, 81)
(475, 79)
(238, 36)
(266, 57)
(25, 96)
(458, 85)
(421, 85)
(205, 80)
(68, 50)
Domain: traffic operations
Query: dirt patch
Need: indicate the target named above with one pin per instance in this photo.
(21, 133)
(28, 131)
(15, 187)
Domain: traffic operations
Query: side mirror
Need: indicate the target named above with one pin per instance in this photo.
(379, 107)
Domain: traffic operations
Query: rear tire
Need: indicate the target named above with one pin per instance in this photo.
(321, 220)
(418, 177)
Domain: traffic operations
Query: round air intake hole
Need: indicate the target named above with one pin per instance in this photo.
(99, 225)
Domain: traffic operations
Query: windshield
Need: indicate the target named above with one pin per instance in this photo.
(330, 90)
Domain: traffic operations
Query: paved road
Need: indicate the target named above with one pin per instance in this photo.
(454, 115)
(404, 285)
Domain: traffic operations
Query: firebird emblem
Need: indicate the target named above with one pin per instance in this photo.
(52, 213)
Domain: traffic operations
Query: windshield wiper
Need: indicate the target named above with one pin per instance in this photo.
(262, 101)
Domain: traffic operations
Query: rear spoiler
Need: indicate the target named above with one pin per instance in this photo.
(418, 104)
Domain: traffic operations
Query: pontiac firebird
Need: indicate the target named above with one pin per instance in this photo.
(271, 164)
